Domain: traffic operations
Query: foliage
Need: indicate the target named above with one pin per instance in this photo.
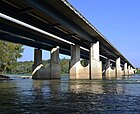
(9, 53)
(137, 71)
(21, 68)
(26, 67)
(64, 66)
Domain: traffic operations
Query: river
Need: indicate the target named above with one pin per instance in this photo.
(27, 96)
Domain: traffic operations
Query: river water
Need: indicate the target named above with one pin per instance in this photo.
(26, 96)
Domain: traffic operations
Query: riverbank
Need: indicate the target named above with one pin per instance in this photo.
(2, 77)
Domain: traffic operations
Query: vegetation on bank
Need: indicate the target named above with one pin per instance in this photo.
(26, 67)
(137, 71)
(9, 53)
(4, 77)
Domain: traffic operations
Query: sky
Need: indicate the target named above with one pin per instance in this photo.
(117, 20)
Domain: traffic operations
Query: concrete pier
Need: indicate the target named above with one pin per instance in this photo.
(37, 63)
(92, 71)
(53, 71)
(55, 67)
(109, 72)
(133, 70)
(95, 63)
(77, 71)
(118, 68)
(125, 70)
(37, 58)
(129, 72)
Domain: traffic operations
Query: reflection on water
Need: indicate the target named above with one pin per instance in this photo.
(74, 96)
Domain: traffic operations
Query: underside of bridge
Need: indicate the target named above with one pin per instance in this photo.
(58, 18)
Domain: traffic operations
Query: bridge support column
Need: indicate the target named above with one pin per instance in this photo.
(103, 69)
(37, 63)
(53, 71)
(55, 67)
(37, 57)
(109, 72)
(118, 68)
(95, 63)
(133, 71)
(77, 71)
(125, 70)
(129, 70)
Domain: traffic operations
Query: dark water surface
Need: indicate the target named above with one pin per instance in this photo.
(26, 96)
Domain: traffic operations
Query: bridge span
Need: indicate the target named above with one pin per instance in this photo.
(52, 23)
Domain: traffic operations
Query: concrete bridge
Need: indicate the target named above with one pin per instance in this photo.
(57, 26)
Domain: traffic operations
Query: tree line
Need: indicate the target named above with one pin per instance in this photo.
(26, 67)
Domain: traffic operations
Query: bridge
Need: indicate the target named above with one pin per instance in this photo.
(55, 25)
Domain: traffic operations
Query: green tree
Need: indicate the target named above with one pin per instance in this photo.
(64, 66)
(9, 53)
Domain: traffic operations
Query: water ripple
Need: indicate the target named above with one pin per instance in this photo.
(70, 97)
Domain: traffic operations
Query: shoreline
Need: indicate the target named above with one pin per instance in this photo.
(3, 77)
(26, 77)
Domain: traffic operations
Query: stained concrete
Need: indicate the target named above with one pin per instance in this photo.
(118, 68)
(95, 63)
(53, 71)
(77, 71)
